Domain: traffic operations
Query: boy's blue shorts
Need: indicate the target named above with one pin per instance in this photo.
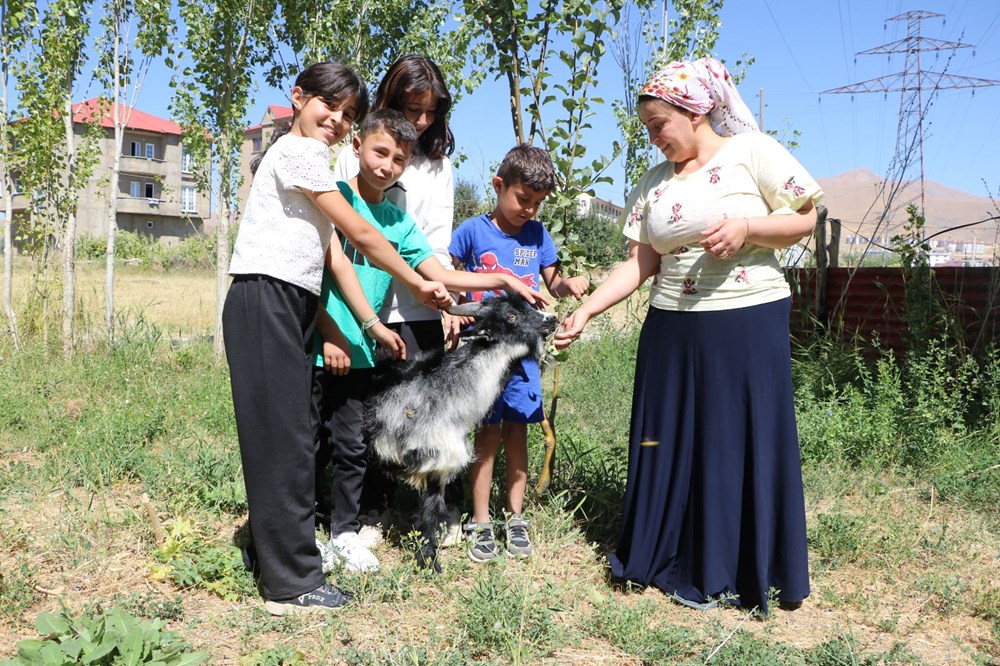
(521, 399)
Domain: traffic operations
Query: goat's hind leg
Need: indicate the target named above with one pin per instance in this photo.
(432, 514)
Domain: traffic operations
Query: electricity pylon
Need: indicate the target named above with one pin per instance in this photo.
(912, 82)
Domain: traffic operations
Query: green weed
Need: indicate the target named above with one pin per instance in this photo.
(188, 561)
(629, 628)
(17, 591)
(509, 617)
(836, 539)
(111, 637)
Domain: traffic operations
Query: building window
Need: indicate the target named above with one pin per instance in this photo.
(187, 160)
(18, 188)
(188, 203)
(256, 144)
(136, 149)
(150, 151)
(149, 224)
(135, 189)
(149, 191)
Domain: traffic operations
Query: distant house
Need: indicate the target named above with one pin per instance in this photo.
(597, 207)
(157, 195)
(255, 139)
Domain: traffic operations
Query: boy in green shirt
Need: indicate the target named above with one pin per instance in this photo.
(348, 329)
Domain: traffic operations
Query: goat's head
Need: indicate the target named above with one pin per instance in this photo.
(508, 318)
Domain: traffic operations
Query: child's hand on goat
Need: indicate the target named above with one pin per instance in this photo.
(434, 294)
(515, 286)
(388, 340)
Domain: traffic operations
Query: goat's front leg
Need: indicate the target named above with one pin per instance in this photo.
(432, 514)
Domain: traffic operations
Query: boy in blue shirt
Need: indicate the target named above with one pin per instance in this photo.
(510, 241)
(348, 329)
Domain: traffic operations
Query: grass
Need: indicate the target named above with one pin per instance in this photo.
(904, 558)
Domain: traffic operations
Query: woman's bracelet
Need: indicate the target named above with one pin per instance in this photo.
(369, 323)
(747, 236)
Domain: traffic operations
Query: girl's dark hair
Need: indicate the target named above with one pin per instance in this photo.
(416, 74)
(330, 82)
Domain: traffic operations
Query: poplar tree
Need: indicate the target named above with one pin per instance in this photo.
(53, 165)
(135, 32)
(16, 19)
(224, 44)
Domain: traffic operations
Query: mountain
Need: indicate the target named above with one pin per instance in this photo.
(858, 199)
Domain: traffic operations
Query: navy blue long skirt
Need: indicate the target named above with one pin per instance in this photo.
(713, 505)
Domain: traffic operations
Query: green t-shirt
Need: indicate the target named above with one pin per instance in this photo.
(402, 233)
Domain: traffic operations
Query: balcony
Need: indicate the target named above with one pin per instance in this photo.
(147, 206)
(143, 166)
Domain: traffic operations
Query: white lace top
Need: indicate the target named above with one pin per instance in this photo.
(752, 175)
(282, 234)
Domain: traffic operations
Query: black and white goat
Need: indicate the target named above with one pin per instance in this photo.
(419, 418)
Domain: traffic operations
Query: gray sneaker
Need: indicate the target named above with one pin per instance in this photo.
(518, 541)
(482, 545)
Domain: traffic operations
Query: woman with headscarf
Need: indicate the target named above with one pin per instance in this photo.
(713, 507)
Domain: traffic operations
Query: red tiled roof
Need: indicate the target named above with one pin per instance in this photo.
(277, 112)
(137, 120)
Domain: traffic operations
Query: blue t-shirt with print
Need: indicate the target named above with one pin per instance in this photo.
(403, 234)
(483, 248)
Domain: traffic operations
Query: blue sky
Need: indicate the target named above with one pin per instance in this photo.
(799, 53)
(801, 47)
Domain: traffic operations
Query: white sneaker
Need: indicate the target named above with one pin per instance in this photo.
(347, 547)
(453, 522)
(371, 529)
(326, 554)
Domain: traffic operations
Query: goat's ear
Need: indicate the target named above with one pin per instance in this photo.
(470, 309)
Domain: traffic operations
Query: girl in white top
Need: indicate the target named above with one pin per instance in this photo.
(414, 86)
(268, 321)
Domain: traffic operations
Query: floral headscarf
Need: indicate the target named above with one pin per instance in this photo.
(705, 87)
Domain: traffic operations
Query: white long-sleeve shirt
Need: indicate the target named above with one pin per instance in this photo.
(427, 192)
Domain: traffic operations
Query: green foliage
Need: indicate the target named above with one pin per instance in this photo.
(106, 638)
(17, 590)
(551, 87)
(150, 605)
(412, 656)
(468, 202)
(369, 37)
(189, 561)
(279, 655)
(628, 627)
(836, 538)
(509, 617)
(599, 240)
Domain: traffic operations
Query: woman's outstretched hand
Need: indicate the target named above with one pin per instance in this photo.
(571, 328)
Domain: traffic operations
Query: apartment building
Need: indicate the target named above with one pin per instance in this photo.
(588, 205)
(255, 139)
(157, 194)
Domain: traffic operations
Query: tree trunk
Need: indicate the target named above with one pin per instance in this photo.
(69, 240)
(222, 242)
(119, 119)
(8, 237)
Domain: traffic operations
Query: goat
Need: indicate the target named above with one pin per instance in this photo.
(421, 411)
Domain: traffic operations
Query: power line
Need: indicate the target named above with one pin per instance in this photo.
(912, 82)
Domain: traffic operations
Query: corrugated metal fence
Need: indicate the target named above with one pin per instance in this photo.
(865, 303)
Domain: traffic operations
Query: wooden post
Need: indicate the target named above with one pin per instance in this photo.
(835, 230)
(821, 266)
